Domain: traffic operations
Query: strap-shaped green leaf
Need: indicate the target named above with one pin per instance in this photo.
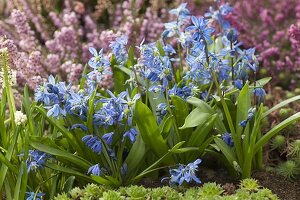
(149, 130)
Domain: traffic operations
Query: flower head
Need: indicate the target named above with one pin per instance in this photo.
(36, 159)
(201, 29)
(185, 173)
(93, 143)
(260, 93)
(131, 134)
(34, 196)
(20, 118)
(118, 48)
(95, 170)
(227, 138)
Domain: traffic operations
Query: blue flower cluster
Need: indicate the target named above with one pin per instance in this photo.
(100, 65)
(118, 48)
(251, 113)
(185, 173)
(34, 196)
(227, 138)
(35, 160)
(157, 67)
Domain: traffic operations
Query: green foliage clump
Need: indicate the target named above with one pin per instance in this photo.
(211, 189)
(285, 113)
(248, 189)
(164, 193)
(249, 184)
(112, 195)
(288, 169)
(294, 148)
(136, 192)
(278, 142)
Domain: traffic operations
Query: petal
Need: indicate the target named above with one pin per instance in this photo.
(93, 51)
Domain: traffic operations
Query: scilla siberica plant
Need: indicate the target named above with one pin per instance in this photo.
(181, 97)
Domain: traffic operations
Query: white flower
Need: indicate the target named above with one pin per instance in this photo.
(20, 118)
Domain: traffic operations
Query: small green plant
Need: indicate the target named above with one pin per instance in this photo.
(285, 113)
(288, 169)
(211, 189)
(249, 189)
(294, 149)
(278, 142)
(164, 193)
(249, 184)
(136, 192)
(112, 195)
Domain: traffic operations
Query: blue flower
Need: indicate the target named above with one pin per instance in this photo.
(248, 58)
(100, 65)
(181, 12)
(51, 92)
(219, 15)
(260, 93)
(93, 143)
(171, 29)
(113, 110)
(108, 138)
(55, 111)
(81, 126)
(202, 31)
(185, 92)
(185, 39)
(34, 196)
(131, 134)
(95, 170)
(243, 123)
(36, 159)
(185, 173)
(124, 169)
(231, 35)
(77, 102)
(118, 48)
(238, 83)
(227, 138)
(251, 113)
(161, 110)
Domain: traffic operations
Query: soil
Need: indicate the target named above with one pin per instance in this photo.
(285, 189)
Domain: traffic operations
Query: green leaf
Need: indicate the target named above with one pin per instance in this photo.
(165, 126)
(202, 132)
(265, 138)
(281, 104)
(66, 155)
(185, 150)
(149, 130)
(68, 184)
(263, 81)
(202, 105)
(195, 118)
(90, 121)
(83, 77)
(131, 56)
(226, 150)
(136, 155)
(243, 105)
(62, 129)
(67, 170)
(119, 77)
(102, 180)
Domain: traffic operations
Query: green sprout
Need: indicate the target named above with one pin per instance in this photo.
(288, 169)
(278, 142)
